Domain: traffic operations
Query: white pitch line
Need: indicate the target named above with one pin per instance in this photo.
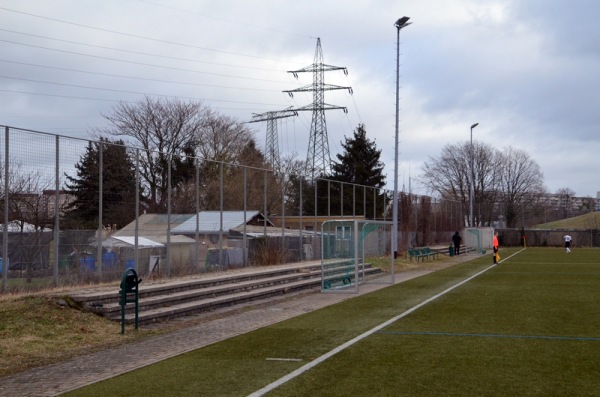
(272, 386)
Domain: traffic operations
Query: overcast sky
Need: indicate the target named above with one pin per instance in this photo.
(528, 71)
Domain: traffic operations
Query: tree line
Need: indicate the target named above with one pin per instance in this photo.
(188, 156)
(508, 185)
(184, 151)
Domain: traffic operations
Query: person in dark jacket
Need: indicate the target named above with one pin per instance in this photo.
(456, 239)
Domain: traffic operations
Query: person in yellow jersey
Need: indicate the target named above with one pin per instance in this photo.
(495, 245)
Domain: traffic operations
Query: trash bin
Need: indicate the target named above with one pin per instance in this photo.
(129, 294)
(451, 250)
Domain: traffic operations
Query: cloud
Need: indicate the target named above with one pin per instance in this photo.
(526, 70)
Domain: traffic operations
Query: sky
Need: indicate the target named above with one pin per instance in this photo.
(528, 71)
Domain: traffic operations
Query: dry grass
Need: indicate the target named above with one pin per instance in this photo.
(36, 330)
(401, 263)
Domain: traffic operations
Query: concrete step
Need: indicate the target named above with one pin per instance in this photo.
(159, 301)
(209, 304)
(154, 288)
(176, 296)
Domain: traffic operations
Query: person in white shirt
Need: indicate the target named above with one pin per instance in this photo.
(567, 243)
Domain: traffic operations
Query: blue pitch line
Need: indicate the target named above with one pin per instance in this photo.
(272, 386)
(570, 338)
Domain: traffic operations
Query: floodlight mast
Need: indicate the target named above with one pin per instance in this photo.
(472, 178)
(400, 24)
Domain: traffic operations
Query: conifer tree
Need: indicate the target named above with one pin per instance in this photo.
(360, 169)
(118, 187)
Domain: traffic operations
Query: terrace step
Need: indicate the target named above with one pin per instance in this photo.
(158, 301)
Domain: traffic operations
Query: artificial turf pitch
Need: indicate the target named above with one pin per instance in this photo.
(529, 326)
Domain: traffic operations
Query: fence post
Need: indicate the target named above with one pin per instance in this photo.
(168, 258)
(56, 212)
(137, 208)
(5, 263)
(100, 204)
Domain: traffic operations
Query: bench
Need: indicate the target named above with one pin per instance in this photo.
(422, 253)
(338, 272)
(415, 253)
(430, 253)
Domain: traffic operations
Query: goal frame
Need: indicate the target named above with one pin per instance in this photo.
(344, 246)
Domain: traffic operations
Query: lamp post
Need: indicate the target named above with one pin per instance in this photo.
(400, 23)
(472, 179)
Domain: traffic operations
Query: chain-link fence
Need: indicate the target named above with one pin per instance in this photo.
(79, 211)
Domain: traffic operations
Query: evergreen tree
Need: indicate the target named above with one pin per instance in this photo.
(360, 170)
(118, 187)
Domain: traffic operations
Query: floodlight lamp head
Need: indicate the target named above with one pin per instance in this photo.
(474, 125)
(402, 22)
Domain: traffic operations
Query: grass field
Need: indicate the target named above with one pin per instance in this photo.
(590, 220)
(527, 327)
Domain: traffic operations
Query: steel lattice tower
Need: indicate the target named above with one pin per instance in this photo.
(272, 142)
(318, 160)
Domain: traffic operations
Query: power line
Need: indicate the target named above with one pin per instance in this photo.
(136, 52)
(135, 36)
(137, 63)
(114, 100)
(130, 92)
(149, 64)
(61, 96)
(135, 77)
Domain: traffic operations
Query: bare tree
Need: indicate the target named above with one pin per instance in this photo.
(565, 199)
(32, 209)
(292, 171)
(588, 204)
(450, 176)
(227, 148)
(192, 141)
(166, 130)
(424, 220)
(486, 187)
(406, 222)
(222, 138)
(250, 174)
(521, 182)
(507, 182)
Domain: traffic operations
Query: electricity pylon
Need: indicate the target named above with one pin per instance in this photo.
(318, 160)
(272, 142)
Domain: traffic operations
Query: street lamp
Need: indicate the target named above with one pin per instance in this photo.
(400, 23)
(472, 179)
